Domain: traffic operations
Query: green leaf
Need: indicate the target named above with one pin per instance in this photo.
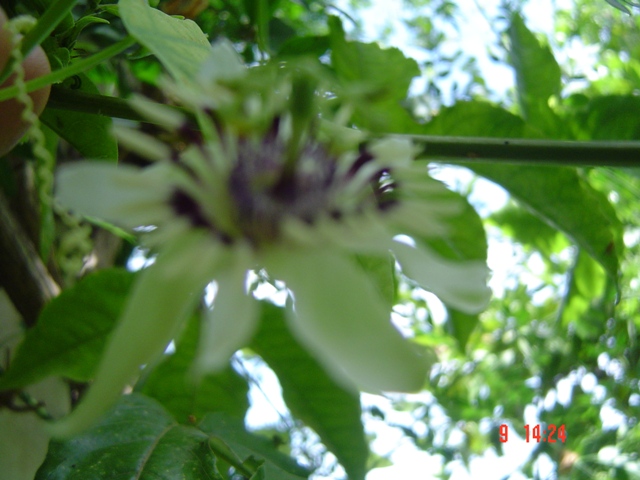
(316, 45)
(376, 80)
(528, 229)
(259, 14)
(465, 238)
(587, 283)
(311, 395)
(376, 72)
(72, 330)
(461, 326)
(381, 269)
(537, 72)
(171, 385)
(478, 119)
(620, 6)
(279, 33)
(137, 439)
(384, 116)
(611, 117)
(180, 45)
(564, 198)
(231, 442)
(537, 77)
(87, 133)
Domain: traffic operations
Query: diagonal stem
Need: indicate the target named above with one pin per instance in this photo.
(22, 273)
(73, 69)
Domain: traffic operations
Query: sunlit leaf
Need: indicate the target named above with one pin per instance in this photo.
(179, 44)
(564, 198)
(381, 269)
(375, 79)
(478, 118)
(529, 230)
(586, 287)
(537, 77)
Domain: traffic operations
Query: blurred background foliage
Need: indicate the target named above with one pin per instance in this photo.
(559, 344)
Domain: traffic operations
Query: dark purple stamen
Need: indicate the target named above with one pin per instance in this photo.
(385, 204)
(364, 158)
(186, 206)
(216, 119)
(190, 134)
(274, 129)
(264, 192)
(137, 160)
(385, 190)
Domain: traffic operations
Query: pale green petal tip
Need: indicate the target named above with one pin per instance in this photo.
(72, 425)
(339, 316)
(100, 397)
(343, 138)
(393, 152)
(158, 113)
(232, 321)
(142, 144)
(224, 63)
(224, 334)
(122, 194)
(461, 285)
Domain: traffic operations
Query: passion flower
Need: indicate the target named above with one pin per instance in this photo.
(251, 186)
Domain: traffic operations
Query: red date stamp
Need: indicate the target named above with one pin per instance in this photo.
(536, 433)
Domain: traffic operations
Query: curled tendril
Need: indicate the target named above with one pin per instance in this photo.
(75, 242)
(45, 160)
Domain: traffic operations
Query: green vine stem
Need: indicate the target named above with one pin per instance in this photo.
(437, 148)
(73, 69)
(519, 151)
(442, 148)
(78, 101)
(41, 30)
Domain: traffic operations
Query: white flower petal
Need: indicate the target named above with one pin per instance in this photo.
(230, 324)
(422, 218)
(123, 194)
(416, 180)
(161, 299)
(340, 137)
(462, 285)
(223, 63)
(340, 317)
(362, 233)
(393, 152)
(157, 113)
(144, 145)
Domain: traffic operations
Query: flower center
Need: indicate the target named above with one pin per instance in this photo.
(265, 191)
(265, 188)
